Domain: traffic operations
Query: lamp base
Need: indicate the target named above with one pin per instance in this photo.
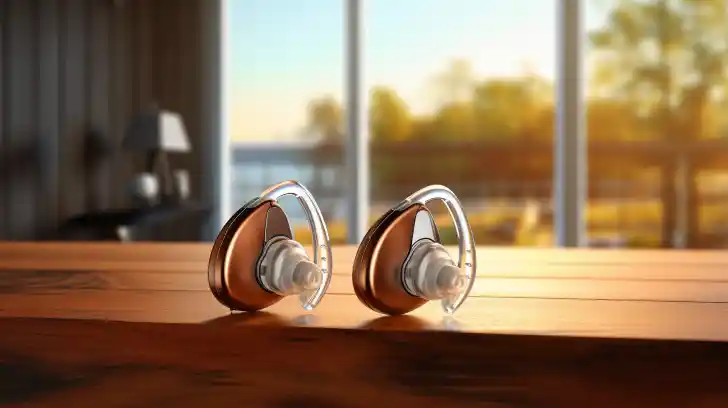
(158, 164)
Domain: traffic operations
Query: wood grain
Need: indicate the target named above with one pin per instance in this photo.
(134, 325)
(515, 273)
(125, 365)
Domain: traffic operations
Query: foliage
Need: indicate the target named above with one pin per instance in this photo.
(325, 119)
(665, 61)
(657, 70)
(390, 119)
(604, 220)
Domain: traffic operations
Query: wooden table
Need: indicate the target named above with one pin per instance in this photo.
(134, 325)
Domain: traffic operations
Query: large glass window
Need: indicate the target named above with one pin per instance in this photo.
(656, 119)
(474, 94)
(285, 79)
(462, 94)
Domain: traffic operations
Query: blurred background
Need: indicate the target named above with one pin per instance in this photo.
(127, 119)
(463, 93)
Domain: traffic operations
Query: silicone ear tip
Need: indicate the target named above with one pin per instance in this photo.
(307, 276)
(450, 280)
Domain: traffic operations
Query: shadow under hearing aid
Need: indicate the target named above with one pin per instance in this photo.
(398, 322)
(250, 319)
(411, 323)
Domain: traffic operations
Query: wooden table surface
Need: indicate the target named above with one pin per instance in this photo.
(134, 325)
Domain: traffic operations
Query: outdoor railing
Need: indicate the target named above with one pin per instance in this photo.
(504, 190)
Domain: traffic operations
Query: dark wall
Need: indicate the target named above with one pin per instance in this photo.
(73, 73)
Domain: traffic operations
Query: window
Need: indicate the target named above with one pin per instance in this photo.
(657, 105)
(285, 82)
(462, 94)
(487, 98)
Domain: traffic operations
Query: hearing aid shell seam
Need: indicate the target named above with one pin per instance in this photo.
(359, 257)
(215, 281)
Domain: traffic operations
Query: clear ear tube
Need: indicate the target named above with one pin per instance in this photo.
(429, 272)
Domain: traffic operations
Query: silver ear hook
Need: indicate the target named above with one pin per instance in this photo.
(321, 245)
(466, 241)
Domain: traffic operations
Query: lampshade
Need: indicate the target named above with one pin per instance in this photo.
(157, 130)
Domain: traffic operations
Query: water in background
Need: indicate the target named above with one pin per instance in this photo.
(249, 179)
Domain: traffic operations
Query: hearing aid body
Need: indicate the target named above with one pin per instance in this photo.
(255, 261)
(400, 264)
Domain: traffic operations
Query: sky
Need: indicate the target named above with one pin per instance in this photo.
(284, 53)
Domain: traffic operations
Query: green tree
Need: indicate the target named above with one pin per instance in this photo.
(454, 122)
(390, 118)
(506, 108)
(326, 119)
(667, 60)
(326, 123)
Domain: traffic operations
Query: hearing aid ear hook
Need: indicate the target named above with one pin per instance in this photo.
(310, 297)
(453, 286)
(401, 264)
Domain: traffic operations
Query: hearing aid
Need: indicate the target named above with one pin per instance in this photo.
(401, 264)
(255, 261)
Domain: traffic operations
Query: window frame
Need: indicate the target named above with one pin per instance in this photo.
(570, 138)
(570, 143)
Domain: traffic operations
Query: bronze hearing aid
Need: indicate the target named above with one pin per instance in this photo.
(255, 261)
(401, 264)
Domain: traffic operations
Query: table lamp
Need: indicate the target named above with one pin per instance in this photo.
(157, 133)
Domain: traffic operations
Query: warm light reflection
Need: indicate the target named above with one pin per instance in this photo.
(464, 96)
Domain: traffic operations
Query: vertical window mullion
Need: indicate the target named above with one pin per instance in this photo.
(570, 144)
(356, 186)
(216, 150)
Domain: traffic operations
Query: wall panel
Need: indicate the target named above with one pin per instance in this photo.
(4, 168)
(72, 74)
(74, 124)
(49, 112)
(21, 133)
(100, 104)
